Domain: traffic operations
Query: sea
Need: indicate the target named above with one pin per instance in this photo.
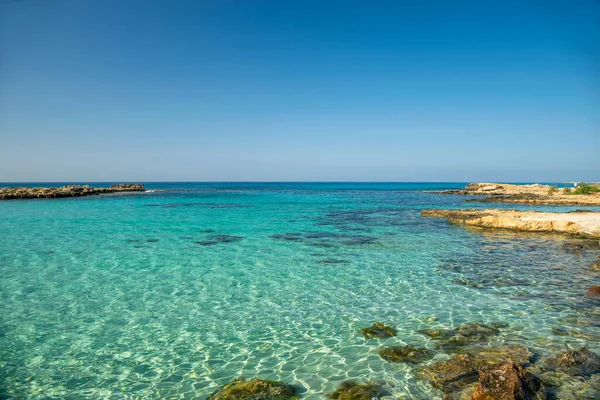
(176, 291)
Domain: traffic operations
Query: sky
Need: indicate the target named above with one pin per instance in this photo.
(191, 90)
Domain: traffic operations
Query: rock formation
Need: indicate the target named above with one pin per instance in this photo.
(350, 390)
(378, 330)
(406, 354)
(574, 223)
(508, 382)
(524, 194)
(14, 193)
(242, 389)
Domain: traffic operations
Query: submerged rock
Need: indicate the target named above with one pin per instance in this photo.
(596, 265)
(457, 375)
(580, 362)
(470, 333)
(451, 375)
(508, 382)
(579, 247)
(594, 291)
(486, 357)
(378, 330)
(351, 390)
(254, 389)
(407, 354)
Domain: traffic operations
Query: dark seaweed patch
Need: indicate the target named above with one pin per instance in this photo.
(291, 237)
(133, 240)
(325, 239)
(321, 244)
(207, 231)
(219, 239)
(152, 240)
(332, 261)
(199, 204)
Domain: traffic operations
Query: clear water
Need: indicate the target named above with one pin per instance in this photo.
(176, 292)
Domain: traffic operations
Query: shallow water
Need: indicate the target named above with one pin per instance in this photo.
(176, 292)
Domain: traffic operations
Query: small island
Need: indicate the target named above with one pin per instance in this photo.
(22, 193)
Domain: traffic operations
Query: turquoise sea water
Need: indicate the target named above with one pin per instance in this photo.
(175, 292)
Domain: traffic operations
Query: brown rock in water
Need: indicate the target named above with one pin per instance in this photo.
(596, 265)
(451, 375)
(490, 357)
(378, 330)
(580, 362)
(254, 389)
(407, 354)
(456, 376)
(594, 291)
(508, 382)
(350, 390)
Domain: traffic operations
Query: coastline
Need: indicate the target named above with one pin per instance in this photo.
(525, 194)
(578, 223)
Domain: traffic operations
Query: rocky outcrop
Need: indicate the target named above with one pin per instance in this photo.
(508, 381)
(242, 389)
(458, 376)
(524, 194)
(15, 193)
(573, 223)
(499, 189)
(127, 187)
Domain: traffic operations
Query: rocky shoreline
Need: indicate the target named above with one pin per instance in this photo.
(525, 194)
(582, 223)
(22, 193)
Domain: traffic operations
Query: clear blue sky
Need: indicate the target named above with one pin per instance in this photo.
(139, 90)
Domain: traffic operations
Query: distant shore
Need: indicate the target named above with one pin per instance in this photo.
(528, 194)
(22, 193)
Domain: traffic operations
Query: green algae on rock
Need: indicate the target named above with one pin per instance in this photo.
(406, 354)
(254, 389)
(351, 390)
(378, 330)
